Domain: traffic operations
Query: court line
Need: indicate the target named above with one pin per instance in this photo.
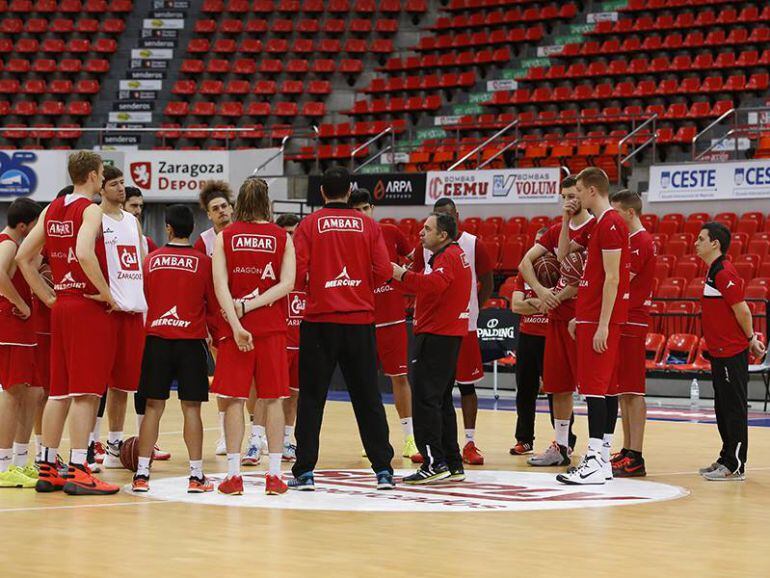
(74, 507)
(695, 472)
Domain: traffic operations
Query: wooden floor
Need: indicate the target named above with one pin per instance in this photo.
(717, 530)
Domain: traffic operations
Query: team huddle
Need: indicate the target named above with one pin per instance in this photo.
(92, 310)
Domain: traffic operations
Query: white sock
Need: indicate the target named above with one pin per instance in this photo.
(408, 427)
(20, 454)
(470, 435)
(48, 455)
(90, 438)
(595, 446)
(6, 459)
(139, 420)
(288, 431)
(143, 467)
(78, 457)
(274, 469)
(606, 447)
(561, 427)
(196, 469)
(38, 448)
(222, 424)
(114, 437)
(233, 465)
(98, 429)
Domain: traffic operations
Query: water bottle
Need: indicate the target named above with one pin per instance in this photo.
(694, 394)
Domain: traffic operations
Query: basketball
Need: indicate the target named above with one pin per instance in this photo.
(547, 270)
(129, 453)
(572, 267)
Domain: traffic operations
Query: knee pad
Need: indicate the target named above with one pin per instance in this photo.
(466, 388)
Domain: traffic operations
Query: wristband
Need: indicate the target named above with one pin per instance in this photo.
(243, 308)
(753, 335)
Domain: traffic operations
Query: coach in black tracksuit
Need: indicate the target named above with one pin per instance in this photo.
(727, 327)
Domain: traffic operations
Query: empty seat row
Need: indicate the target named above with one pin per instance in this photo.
(249, 66)
(26, 7)
(305, 27)
(237, 109)
(686, 20)
(57, 45)
(500, 18)
(266, 87)
(281, 46)
(313, 6)
(37, 26)
(417, 83)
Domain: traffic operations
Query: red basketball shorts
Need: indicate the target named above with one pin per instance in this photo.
(391, 349)
(17, 365)
(266, 366)
(83, 342)
(596, 370)
(127, 371)
(559, 359)
(630, 367)
(43, 361)
(293, 355)
(470, 369)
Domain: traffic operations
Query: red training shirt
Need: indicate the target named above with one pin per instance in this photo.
(609, 234)
(441, 307)
(13, 329)
(341, 259)
(642, 277)
(180, 294)
(722, 290)
(530, 324)
(389, 300)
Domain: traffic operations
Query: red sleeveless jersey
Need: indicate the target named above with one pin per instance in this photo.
(254, 253)
(62, 224)
(13, 329)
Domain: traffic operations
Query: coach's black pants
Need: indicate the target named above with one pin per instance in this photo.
(731, 382)
(321, 347)
(434, 359)
(529, 370)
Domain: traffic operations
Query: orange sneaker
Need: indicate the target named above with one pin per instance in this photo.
(140, 483)
(49, 479)
(472, 455)
(274, 485)
(81, 482)
(199, 485)
(232, 486)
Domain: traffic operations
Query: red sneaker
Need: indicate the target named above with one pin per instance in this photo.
(99, 452)
(521, 449)
(81, 482)
(615, 458)
(232, 486)
(49, 479)
(274, 485)
(472, 455)
(199, 485)
(159, 455)
(140, 484)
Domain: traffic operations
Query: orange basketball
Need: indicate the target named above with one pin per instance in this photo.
(547, 270)
(572, 267)
(129, 453)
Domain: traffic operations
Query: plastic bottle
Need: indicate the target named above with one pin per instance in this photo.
(694, 394)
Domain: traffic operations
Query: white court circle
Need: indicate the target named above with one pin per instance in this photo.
(482, 491)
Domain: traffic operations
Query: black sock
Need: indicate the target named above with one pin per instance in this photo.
(597, 417)
(612, 413)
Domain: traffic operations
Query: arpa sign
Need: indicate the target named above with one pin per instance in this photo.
(497, 186)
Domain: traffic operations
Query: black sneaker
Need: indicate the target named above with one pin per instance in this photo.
(428, 475)
(385, 480)
(456, 474)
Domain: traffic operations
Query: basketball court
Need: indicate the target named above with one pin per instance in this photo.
(506, 518)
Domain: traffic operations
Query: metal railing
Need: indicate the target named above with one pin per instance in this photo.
(391, 147)
(735, 132)
(487, 142)
(637, 149)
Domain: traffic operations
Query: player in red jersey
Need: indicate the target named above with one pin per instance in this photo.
(560, 355)
(81, 361)
(470, 369)
(216, 198)
(601, 310)
(254, 269)
(390, 324)
(181, 304)
(629, 385)
(17, 344)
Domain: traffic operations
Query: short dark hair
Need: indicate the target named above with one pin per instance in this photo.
(360, 197)
(24, 211)
(181, 220)
(132, 192)
(446, 223)
(335, 182)
(213, 190)
(720, 233)
(628, 200)
(568, 182)
(287, 220)
(444, 202)
(111, 172)
(68, 190)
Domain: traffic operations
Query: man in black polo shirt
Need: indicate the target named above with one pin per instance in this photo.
(729, 334)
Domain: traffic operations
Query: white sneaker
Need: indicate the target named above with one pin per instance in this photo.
(591, 471)
(251, 457)
(221, 447)
(112, 456)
